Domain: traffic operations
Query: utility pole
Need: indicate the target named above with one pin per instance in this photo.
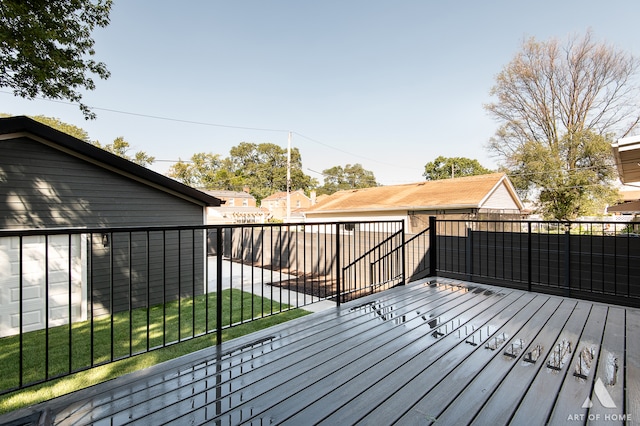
(289, 179)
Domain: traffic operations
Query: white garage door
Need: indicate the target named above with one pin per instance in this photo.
(43, 259)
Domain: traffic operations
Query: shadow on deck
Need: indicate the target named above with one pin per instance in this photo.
(437, 350)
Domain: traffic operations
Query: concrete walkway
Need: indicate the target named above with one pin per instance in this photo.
(257, 281)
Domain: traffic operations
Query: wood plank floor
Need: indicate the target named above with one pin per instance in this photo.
(437, 351)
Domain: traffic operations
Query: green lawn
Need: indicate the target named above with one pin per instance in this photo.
(69, 348)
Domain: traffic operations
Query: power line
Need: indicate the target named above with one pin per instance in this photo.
(347, 152)
(202, 123)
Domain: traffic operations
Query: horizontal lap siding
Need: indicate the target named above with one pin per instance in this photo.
(171, 267)
(43, 187)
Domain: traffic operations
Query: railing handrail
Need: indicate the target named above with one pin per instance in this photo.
(419, 234)
(377, 247)
(11, 232)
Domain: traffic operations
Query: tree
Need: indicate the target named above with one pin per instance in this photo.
(121, 147)
(46, 47)
(208, 171)
(67, 128)
(558, 109)
(349, 177)
(261, 167)
(449, 167)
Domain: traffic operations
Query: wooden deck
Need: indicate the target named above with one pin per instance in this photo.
(447, 352)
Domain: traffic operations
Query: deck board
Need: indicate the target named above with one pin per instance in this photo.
(632, 363)
(390, 368)
(540, 398)
(409, 355)
(578, 379)
(506, 397)
(608, 368)
(468, 388)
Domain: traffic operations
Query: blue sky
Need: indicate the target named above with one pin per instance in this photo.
(388, 84)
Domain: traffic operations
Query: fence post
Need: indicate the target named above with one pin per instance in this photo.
(433, 258)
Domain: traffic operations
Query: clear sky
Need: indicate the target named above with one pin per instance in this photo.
(388, 84)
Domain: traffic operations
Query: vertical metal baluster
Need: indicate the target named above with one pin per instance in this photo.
(46, 307)
(69, 267)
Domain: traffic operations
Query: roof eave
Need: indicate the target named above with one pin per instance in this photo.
(23, 126)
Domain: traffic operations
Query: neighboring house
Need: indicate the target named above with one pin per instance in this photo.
(239, 207)
(489, 196)
(276, 204)
(626, 152)
(233, 198)
(630, 203)
(49, 179)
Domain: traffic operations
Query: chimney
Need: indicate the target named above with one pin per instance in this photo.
(313, 197)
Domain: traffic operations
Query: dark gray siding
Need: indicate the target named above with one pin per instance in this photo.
(44, 187)
(142, 270)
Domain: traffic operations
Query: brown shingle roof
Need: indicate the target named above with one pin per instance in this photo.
(464, 192)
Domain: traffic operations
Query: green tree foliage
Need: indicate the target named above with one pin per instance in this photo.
(263, 168)
(348, 177)
(569, 175)
(208, 171)
(67, 128)
(260, 167)
(46, 47)
(121, 148)
(558, 107)
(449, 167)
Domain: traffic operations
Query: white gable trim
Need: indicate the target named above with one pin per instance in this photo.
(502, 191)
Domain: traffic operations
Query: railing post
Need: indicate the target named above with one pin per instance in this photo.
(338, 266)
(403, 257)
(433, 258)
(218, 285)
(529, 256)
(469, 251)
(567, 258)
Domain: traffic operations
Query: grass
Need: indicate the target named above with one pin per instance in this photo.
(69, 348)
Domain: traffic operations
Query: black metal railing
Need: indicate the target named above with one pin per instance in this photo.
(592, 260)
(417, 255)
(79, 298)
(379, 268)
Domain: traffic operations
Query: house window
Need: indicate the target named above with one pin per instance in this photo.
(232, 202)
(245, 202)
(298, 204)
